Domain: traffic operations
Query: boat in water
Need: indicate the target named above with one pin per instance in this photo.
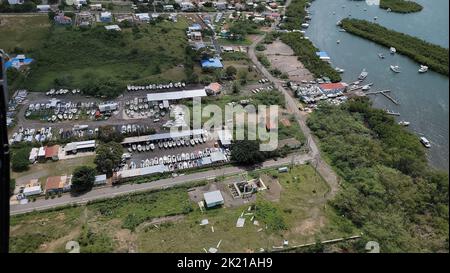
(393, 50)
(404, 123)
(395, 68)
(392, 113)
(339, 70)
(381, 55)
(423, 69)
(363, 75)
(425, 142)
(366, 87)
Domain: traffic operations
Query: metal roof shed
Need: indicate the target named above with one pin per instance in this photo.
(218, 157)
(185, 94)
(100, 179)
(206, 160)
(41, 152)
(28, 191)
(213, 198)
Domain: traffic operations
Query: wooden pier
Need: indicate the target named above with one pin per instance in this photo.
(384, 93)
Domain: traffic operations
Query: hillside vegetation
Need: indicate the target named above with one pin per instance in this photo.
(434, 56)
(389, 192)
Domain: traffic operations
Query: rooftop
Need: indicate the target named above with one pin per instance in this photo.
(178, 95)
(211, 63)
(213, 197)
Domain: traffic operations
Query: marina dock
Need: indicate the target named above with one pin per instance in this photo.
(384, 93)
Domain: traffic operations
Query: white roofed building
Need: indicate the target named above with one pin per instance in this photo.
(213, 199)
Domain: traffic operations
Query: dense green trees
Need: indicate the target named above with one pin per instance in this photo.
(241, 28)
(12, 186)
(246, 152)
(83, 179)
(27, 6)
(295, 14)
(230, 71)
(109, 156)
(107, 133)
(19, 159)
(306, 52)
(389, 192)
(400, 6)
(434, 56)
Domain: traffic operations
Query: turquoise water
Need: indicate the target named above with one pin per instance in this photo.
(424, 98)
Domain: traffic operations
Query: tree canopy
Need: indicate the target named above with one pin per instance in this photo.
(389, 191)
(83, 179)
(246, 152)
(108, 158)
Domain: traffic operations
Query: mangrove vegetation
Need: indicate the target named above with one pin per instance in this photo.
(434, 56)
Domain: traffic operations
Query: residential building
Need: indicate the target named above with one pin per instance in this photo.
(106, 17)
(113, 27)
(55, 184)
(212, 63)
(168, 8)
(52, 153)
(187, 6)
(95, 7)
(213, 88)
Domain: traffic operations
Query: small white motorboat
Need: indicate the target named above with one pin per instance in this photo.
(395, 68)
(425, 142)
(423, 69)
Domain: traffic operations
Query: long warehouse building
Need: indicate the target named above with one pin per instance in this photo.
(177, 95)
(163, 136)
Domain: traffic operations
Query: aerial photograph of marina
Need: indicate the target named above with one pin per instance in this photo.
(224, 126)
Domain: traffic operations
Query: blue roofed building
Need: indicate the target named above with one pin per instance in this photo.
(18, 62)
(211, 63)
(323, 56)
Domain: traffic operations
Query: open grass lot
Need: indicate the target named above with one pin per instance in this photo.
(23, 32)
(168, 221)
(73, 58)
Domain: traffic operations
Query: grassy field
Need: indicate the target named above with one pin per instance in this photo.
(167, 221)
(74, 58)
(24, 32)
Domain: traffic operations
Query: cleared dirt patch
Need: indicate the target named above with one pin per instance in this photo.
(274, 188)
(282, 57)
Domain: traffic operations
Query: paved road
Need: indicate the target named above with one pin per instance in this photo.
(109, 192)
